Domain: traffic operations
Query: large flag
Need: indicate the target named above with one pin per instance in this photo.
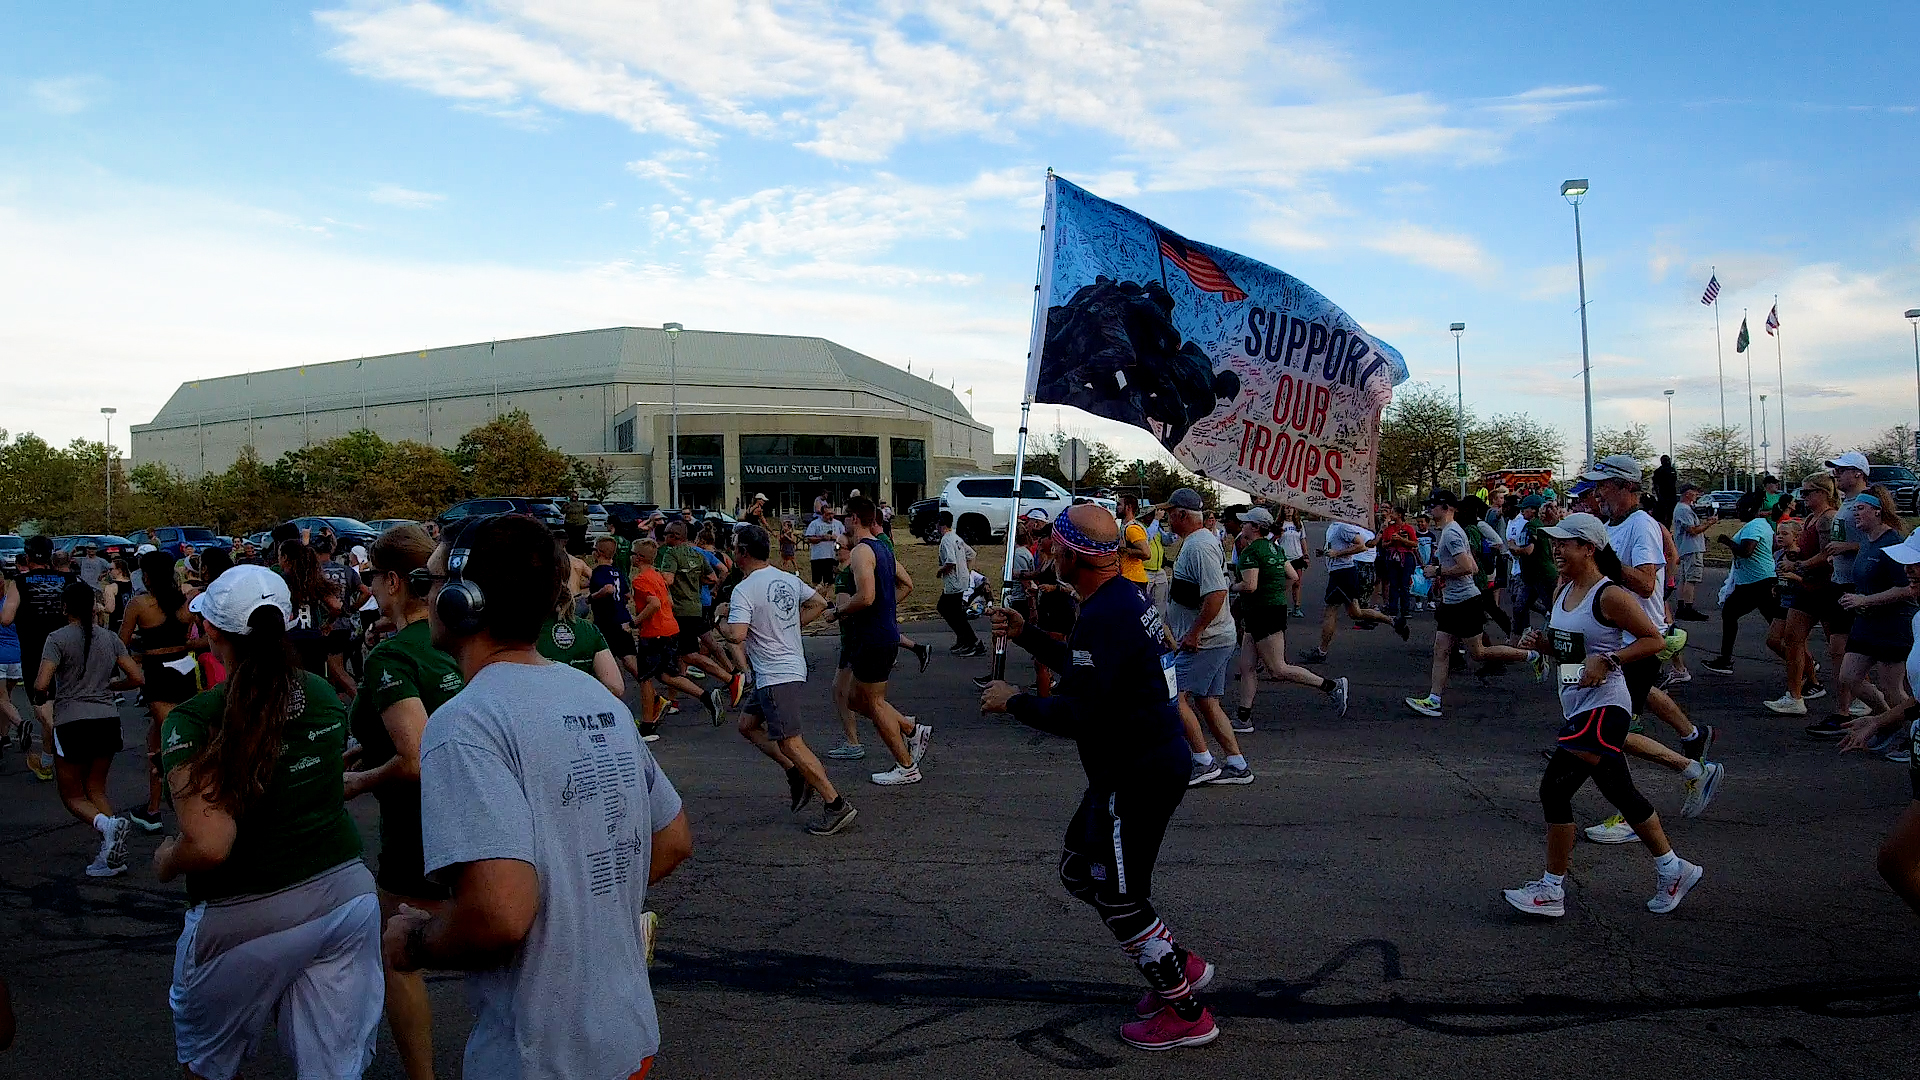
(1245, 373)
(1713, 290)
(1773, 320)
(1740, 343)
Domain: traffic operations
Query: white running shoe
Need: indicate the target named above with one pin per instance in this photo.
(1425, 706)
(1339, 696)
(1614, 830)
(1858, 708)
(1538, 898)
(111, 860)
(1700, 792)
(1670, 890)
(917, 742)
(1787, 705)
(898, 775)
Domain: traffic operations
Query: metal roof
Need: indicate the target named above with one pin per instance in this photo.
(625, 354)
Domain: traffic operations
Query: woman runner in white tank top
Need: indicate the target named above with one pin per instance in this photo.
(1593, 631)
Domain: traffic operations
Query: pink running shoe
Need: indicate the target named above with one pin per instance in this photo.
(1199, 974)
(1166, 1030)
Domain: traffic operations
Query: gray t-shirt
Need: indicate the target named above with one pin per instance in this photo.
(539, 763)
(1022, 564)
(954, 552)
(1846, 530)
(1452, 545)
(1342, 535)
(1684, 518)
(1201, 563)
(92, 569)
(81, 674)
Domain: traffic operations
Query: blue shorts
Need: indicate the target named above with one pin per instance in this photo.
(1203, 673)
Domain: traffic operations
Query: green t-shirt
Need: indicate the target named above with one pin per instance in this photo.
(574, 643)
(683, 566)
(299, 827)
(1539, 565)
(404, 666)
(1265, 556)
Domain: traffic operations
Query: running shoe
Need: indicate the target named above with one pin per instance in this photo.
(1813, 691)
(847, 751)
(957, 649)
(1858, 708)
(649, 732)
(798, 788)
(1539, 665)
(39, 766)
(1425, 706)
(1241, 727)
(695, 673)
(917, 742)
(1697, 747)
(898, 775)
(1787, 705)
(649, 930)
(1339, 696)
(716, 705)
(1901, 750)
(736, 688)
(1538, 898)
(1296, 613)
(1313, 656)
(1199, 975)
(1614, 830)
(924, 654)
(111, 860)
(1700, 792)
(1229, 774)
(1400, 627)
(977, 650)
(1672, 642)
(1635, 726)
(832, 821)
(983, 681)
(1203, 773)
(1834, 726)
(1166, 1031)
(1718, 666)
(1675, 678)
(147, 822)
(1671, 889)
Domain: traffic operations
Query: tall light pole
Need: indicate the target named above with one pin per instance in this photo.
(108, 411)
(673, 381)
(1573, 191)
(1669, 423)
(1913, 316)
(1459, 403)
(1766, 459)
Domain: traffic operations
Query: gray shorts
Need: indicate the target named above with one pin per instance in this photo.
(240, 965)
(1692, 568)
(1203, 673)
(778, 707)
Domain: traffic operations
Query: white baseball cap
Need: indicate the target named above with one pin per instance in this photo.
(359, 554)
(235, 595)
(1906, 553)
(1852, 459)
(1581, 527)
(144, 549)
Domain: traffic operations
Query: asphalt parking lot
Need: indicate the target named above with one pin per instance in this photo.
(1350, 897)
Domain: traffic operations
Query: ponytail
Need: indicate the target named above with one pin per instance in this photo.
(1607, 561)
(77, 600)
(263, 693)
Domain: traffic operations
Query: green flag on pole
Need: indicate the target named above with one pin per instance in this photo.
(1740, 343)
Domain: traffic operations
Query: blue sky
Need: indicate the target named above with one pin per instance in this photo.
(198, 189)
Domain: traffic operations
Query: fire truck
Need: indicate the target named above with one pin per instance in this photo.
(1520, 482)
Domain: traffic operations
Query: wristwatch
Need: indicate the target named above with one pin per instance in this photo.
(1612, 659)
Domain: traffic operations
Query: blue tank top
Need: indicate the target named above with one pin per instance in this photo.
(875, 625)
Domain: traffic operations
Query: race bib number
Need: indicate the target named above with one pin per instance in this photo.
(1567, 644)
(1166, 669)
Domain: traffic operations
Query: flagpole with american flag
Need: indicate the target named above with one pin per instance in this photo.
(1712, 298)
(1773, 331)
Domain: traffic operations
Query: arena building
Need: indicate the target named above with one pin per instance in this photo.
(789, 417)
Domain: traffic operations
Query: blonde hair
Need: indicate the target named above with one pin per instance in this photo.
(1823, 483)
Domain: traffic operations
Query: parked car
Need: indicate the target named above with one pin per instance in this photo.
(596, 514)
(980, 504)
(12, 545)
(922, 517)
(178, 538)
(1722, 502)
(105, 545)
(380, 525)
(346, 531)
(541, 510)
(628, 512)
(1900, 481)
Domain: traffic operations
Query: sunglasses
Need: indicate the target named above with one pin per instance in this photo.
(423, 579)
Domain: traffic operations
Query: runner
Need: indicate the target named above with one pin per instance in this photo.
(1203, 636)
(1346, 590)
(10, 671)
(1850, 473)
(77, 667)
(1588, 633)
(1115, 702)
(1881, 605)
(1293, 545)
(1689, 535)
(316, 602)
(1804, 565)
(872, 640)
(155, 628)
(1755, 579)
(685, 570)
(1265, 578)
(407, 681)
(283, 923)
(612, 619)
(42, 611)
(1135, 549)
(658, 649)
(956, 577)
(764, 614)
(1462, 612)
(1899, 855)
(547, 817)
(579, 644)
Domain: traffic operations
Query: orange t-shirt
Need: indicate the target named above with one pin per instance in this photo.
(648, 582)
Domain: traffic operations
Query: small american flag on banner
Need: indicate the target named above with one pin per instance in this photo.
(1713, 290)
(1773, 320)
(1205, 273)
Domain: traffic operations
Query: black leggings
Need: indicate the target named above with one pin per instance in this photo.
(1498, 616)
(953, 608)
(1754, 596)
(1566, 773)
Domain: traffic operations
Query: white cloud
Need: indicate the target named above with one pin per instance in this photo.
(405, 198)
(1449, 253)
(67, 95)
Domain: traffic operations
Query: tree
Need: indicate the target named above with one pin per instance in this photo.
(1712, 454)
(1806, 455)
(1631, 440)
(1516, 439)
(1893, 446)
(1419, 437)
(418, 481)
(593, 477)
(508, 456)
(1104, 467)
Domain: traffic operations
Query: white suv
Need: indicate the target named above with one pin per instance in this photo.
(979, 504)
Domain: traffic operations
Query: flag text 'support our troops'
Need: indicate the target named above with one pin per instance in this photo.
(1246, 374)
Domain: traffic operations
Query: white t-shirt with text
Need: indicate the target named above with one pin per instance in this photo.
(768, 601)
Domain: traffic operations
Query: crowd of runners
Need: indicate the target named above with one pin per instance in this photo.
(495, 690)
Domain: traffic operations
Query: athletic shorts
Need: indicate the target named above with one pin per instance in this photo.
(1692, 568)
(1462, 620)
(317, 981)
(1264, 620)
(824, 569)
(654, 656)
(88, 740)
(1203, 672)
(1596, 731)
(870, 663)
(1641, 675)
(1301, 564)
(778, 707)
(619, 639)
(403, 859)
(1822, 603)
(11, 673)
(1343, 585)
(1879, 647)
(692, 627)
(164, 684)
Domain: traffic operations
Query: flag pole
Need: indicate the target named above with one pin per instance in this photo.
(1720, 367)
(1780, 362)
(1042, 297)
(1749, 351)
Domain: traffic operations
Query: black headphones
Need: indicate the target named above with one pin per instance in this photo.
(461, 605)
